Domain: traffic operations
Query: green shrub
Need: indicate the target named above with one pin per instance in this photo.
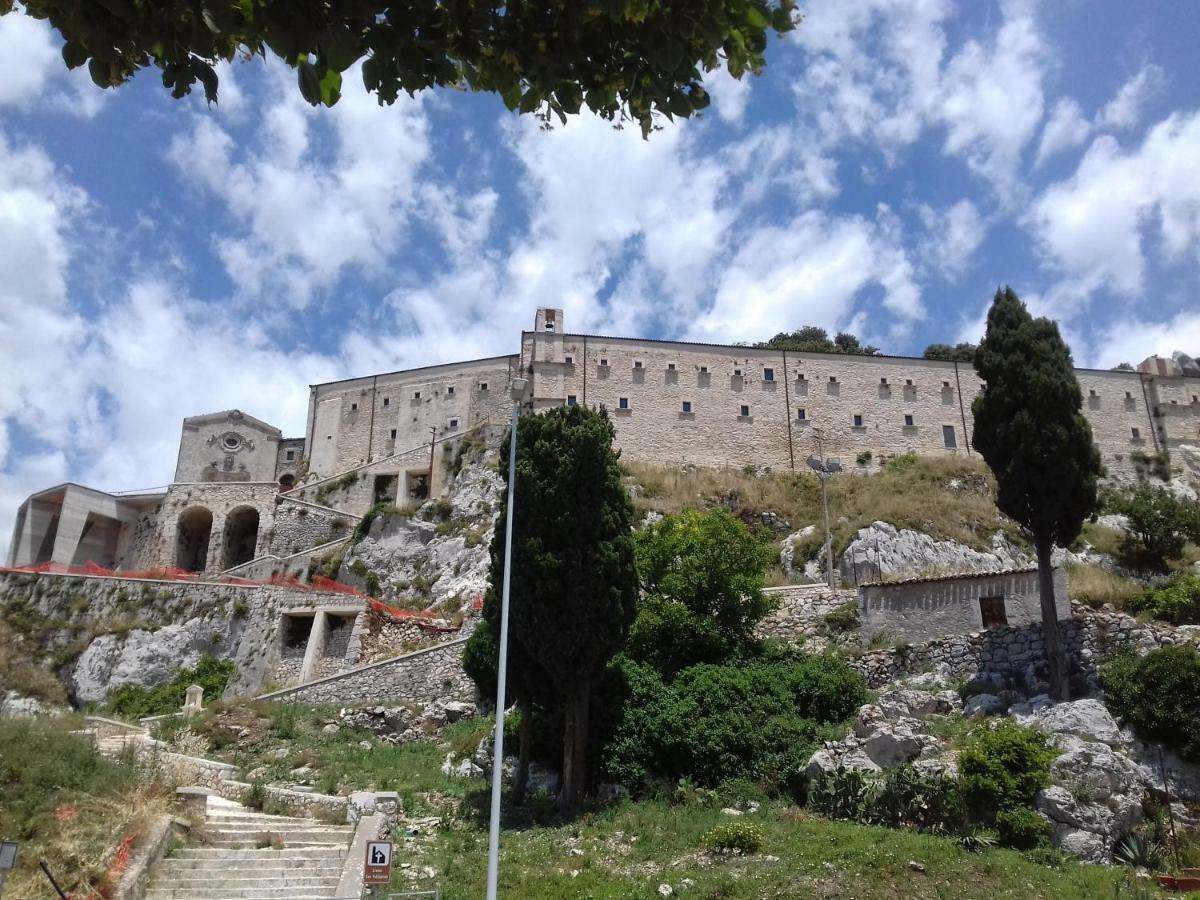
(364, 524)
(845, 617)
(734, 837)
(1177, 602)
(1003, 767)
(759, 720)
(135, 702)
(1159, 695)
(904, 797)
(1160, 525)
(1022, 828)
(902, 462)
(864, 458)
(841, 794)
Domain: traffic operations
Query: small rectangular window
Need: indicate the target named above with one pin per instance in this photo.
(571, 400)
(687, 406)
(857, 421)
(991, 610)
(704, 370)
(569, 360)
(908, 421)
(637, 364)
(603, 362)
(1135, 433)
(945, 385)
(623, 403)
(1196, 398)
(450, 391)
(483, 385)
(416, 395)
(745, 412)
(670, 367)
(737, 373)
(353, 406)
(948, 439)
(833, 379)
(387, 401)
(801, 415)
(883, 382)
(768, 374)
(393, 434)
(908, 382)
(799, 376)
(454, 423)
(291, 455)
(1092, 392)
(1128, 395)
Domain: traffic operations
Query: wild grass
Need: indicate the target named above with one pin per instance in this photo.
(1097, 587)
(19, 672)
(949, 498)
(65, 803)
(1102, 539)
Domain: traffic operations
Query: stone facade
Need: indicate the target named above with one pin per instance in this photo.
(370, 439)
(918, 610)
(425, 676)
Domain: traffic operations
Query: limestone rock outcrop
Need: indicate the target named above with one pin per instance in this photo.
(882, 550)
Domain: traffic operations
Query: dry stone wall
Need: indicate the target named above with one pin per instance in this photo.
(424, 676)
(1015, 657)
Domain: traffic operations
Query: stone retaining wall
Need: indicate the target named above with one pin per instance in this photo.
(802, 610)
(1015, 656)
(424, 676)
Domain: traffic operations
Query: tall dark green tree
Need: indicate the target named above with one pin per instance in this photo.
(961, 352)
(813, 339)
(1030, 428)
(574, 580)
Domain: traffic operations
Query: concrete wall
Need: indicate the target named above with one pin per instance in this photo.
(915, 611)
(72, 525)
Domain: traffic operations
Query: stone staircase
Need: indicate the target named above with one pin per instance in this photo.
(241, 853)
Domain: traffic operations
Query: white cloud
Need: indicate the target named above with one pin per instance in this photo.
(729, 95)
(810, 272)
(1090, 227)
(1124, 110)
(1066, 128)
(953, 236)
(1132, 340)
(28, 60)
(320, 191)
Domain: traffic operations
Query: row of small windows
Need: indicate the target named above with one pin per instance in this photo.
(768, 374)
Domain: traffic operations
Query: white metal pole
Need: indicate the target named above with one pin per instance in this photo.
(825, 516)
(502, 669)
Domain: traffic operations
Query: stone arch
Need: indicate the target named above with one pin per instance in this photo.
(192, 532)
(287, 481)
(241, 536)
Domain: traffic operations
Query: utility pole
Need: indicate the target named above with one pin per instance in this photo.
(432, 443)
(825, 469)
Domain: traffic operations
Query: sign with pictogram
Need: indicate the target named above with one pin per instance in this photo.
(377, 867)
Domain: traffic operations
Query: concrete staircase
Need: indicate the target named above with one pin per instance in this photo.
(246, 854)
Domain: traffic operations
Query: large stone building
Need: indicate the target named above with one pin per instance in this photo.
(248, 500)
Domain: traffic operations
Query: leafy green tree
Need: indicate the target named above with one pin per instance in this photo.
(811, 339)
(962, 352)
(702, 581)
(574, 580)
(1031, 431)
(1160, 525)
(1123, 367)
(624, 59)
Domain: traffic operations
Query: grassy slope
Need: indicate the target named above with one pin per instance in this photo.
(945, 497)
(66, 804)
(816, 857)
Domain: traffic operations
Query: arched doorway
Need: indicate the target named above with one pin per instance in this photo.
(191, 539)
(241, 536)
(287, 481)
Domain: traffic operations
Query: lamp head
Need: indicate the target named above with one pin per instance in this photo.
(518, 388)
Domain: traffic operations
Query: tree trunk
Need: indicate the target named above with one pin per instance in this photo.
(574, 770)
(1056, 662)
(521, 782)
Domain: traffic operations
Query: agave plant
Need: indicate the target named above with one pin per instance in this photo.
(976, 841)
(1138, 852)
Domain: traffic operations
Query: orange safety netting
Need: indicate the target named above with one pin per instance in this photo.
(90, 568)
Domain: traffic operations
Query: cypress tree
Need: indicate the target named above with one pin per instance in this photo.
(574, 579)
(1031, 431)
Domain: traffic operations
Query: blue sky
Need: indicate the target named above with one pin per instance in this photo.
(896, 162)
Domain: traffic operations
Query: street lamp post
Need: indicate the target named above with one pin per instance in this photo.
(519, 386)
(825, 469)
